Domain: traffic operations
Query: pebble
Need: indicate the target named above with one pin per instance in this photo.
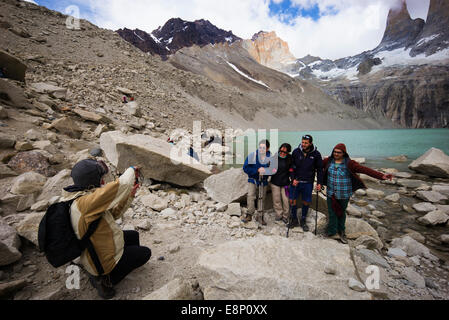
(356, 285)
(173, 248)
(161, 258)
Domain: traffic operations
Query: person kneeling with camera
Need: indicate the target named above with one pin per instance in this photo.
(114, 253)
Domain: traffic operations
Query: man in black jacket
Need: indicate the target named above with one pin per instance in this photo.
(306, 160)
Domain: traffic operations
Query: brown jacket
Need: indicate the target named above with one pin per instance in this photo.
(108, 202)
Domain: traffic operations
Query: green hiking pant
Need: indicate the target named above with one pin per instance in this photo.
(336, 224)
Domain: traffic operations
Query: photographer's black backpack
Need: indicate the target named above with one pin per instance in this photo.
(58, 240)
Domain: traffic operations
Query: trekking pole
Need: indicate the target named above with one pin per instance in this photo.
(316, 212)
(289, 217)
(260, 197)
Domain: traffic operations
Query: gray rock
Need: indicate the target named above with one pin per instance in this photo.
(396, 252)
(356, 228)
(13, 95)
(3, 113)
(54, 185)
(154, 202)
(441, 188)
(353, 211)
(366, 241)
(168, 213)
(244, 270)
(29, 227)
(176, 289)
(403, 175)
(432, 163)
(434, 218)
(13, 67)
(424, 207)
(6, 172)
(128, 227)
(356, 285)
(414, 277)
(378, 214)
(360, 192)
(228, 186)
(144, 225)
(158, 159)
(54, 91)
(395, 197)
(431, 196)
(23, 145)
(372, 257)
(444, 238)
(96, 152)
(27, 183)
(409, 183)
(10, 288)
(9, 244)
(7, 141)
(234, 210)
(173, 248)
(412, 247)
(68, 127)
(401, 158)
(374, 194)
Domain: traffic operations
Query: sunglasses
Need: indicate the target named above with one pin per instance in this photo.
(338, 152)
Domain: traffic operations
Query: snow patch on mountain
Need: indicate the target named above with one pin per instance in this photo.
(245, 75)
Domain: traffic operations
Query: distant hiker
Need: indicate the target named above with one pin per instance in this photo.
(131, 99)
(257, 167)
(306, 160)
(280, 182)
(341, 179)
(124, 99)
(119, 252)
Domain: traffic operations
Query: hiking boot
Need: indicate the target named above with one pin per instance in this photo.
(304, 225)
(261, 220)
(103, 285)
(247, 218)
(293, 223)
(343, 238)
(285, 220)
(278, 218)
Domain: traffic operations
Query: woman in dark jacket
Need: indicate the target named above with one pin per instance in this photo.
(340, 177)
(281, 181)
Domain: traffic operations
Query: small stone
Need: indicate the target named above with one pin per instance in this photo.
(173, 248)
(128, 227)
(330, 270)
(396, 252)
(356, 285)
(395, 197)
(157, 241)
(161, 258)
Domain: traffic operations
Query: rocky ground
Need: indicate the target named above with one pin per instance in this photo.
(199, 245)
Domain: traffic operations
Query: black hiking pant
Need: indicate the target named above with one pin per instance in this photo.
(134, 256)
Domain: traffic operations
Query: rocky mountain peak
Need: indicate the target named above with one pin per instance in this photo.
(435, 34)
(176, 34)
(269, 50)
(401, 30)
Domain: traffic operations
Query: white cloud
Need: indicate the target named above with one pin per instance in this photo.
(358, 25)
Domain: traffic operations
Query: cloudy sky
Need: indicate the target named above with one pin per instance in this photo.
(326, 28)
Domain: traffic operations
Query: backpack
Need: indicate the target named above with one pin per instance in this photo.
(58, 240)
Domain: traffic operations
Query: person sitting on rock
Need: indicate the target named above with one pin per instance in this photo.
(119, 252)
(257, 167)
(124, 99)
(340, 177)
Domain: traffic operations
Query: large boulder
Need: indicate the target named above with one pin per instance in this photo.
(441, 188)
(355, 228)
(157, 158)
(28, 227)
(53, 187)
(434, 218)
(424, 207)
(28, 183)
(249, 269)
(412, 247)
(431, 196)
(12, 67)
(91, 116)
(228, 186)
(31, 161)
(67, 126)
(410, 183)
(433, 163)
(9, 244)
(50, 89)
(12, 95)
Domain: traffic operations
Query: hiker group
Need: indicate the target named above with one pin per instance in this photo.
(293, 175)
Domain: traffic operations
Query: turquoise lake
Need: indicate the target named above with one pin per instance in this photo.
(374, 145)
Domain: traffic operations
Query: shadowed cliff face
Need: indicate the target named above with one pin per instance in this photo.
(177, 34)
(401, 30)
